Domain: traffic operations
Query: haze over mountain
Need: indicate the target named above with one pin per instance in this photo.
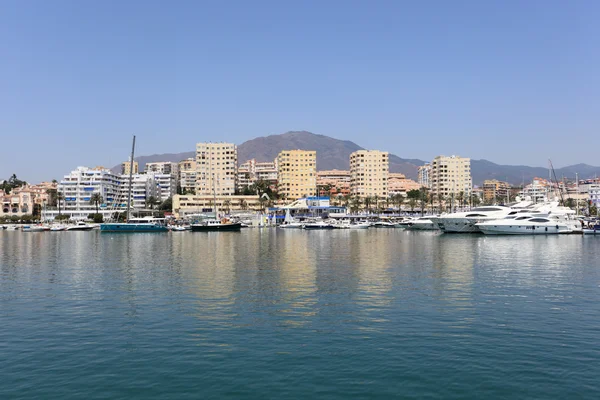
(334, 154)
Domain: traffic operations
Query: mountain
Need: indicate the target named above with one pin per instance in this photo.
(334, 154)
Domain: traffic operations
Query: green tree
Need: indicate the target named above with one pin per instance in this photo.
(460, 197)
(399, 200)
(96, 199)
(227, 205)
(151, 201)
(368, 201)
(475, 200)
(355, 204)
(166, 205)
(243, 204)
(440, 199)
(59, 199)
(412, 203)
(414, 194)
(423, 199)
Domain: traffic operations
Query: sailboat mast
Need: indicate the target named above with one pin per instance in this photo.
(130, 178)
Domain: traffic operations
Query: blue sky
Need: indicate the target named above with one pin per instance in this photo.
(514, 82)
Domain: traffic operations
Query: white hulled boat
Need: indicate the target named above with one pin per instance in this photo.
(289, 222)
(421, 224)
(530, 225)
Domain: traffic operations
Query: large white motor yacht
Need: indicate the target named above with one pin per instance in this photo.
(421, 224)
(528, 224)
(465, 222)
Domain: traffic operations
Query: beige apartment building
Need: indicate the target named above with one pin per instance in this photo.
(450, 176)
(187, 175)
(216, 167)
(297, 173)
(369, 171)
(188, 205)
(495, 191)
(252, 171)
(126, 165)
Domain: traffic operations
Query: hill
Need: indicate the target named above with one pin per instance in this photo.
(334, 154)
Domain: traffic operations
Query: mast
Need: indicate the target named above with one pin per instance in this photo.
(214, 183)
(130, 179)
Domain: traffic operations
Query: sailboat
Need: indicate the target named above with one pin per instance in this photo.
(216, 225)
(147, 224)
(289, 221)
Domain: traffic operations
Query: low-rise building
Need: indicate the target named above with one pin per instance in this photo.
(399, 184)
(193, 205)
(162, 167)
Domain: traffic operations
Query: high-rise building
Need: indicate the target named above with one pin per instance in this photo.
(495, 191)
(450, 176)
(216, 168)
(369, 171)
(165, 174)
(423, 175)
(297, 173)
(187, 175)
(333, 182)
(77, 188)
(125, 167)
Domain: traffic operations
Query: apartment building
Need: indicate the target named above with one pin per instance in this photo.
(333, 182)
(450, 176)
(297, 173)
(126, 167)
(423, 175)
(216, 168)
(252, 171)
(495, 191)
(162, 167)
(399, 184)
(369, 171)
(187, 175)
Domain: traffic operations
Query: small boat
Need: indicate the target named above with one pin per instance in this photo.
(592, 229)
(317, 225)
(35, 228)
(179, 228)
(80, 226)
(57, 228)
(383, 224)
(289, 222)
(214, 225)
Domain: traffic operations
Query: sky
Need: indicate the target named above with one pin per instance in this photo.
(513, 82)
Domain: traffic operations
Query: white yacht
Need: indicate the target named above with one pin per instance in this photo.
(528, 224)
(465, 222)
(421, 224)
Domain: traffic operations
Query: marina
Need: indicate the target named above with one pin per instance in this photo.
(395, 307)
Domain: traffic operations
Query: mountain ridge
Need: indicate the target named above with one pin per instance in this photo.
(334, 154)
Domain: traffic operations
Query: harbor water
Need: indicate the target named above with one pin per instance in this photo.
(288, 314)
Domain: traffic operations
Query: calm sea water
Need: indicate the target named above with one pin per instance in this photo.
(273, 314)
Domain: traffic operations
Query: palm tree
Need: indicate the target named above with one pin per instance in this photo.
(227, 205)
(475, 200)
(96, 199)
(59, 197)
(399, 200)
(423, 200)
(356, 204)
(151, 201)
(461, 198)
(376, 201)
(243, 204)
(412, 202)
(368, 203)
(440, 198)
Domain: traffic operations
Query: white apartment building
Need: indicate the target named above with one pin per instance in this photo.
(187, 175)
(143, 187)
(252, 171)
(80, 184)
(423, 175)
(216, 168)
(162, 167)
(369, 170)
(450, 176)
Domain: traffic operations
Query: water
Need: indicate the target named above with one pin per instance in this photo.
(261, 314)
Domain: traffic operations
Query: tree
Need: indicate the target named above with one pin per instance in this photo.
(399, 200)
(96, 199)
(413, 194)
(227, 205)
(440, 199)
(151, 201)
(243, 204)
(475, 200)
(460, 198)
(423, 200)
(356, 204)
(62, 217)
(59, 198)
(412, 203)
(368, 201)
(37, 211)
(166, 205)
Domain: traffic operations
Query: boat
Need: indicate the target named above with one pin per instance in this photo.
(58, 228)
(147, 224)
(179, 228)
(383, 224)
(421, 224)
(215, 225)
(313, 225)
(36, 228)
(80, 226)
(591, 228)
(548, 224)
(289, 222)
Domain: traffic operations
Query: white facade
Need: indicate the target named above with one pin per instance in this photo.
(252, 171)
(163, 167)
(143, 187)
(80, 184)
(423, 175)
(166, 185)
